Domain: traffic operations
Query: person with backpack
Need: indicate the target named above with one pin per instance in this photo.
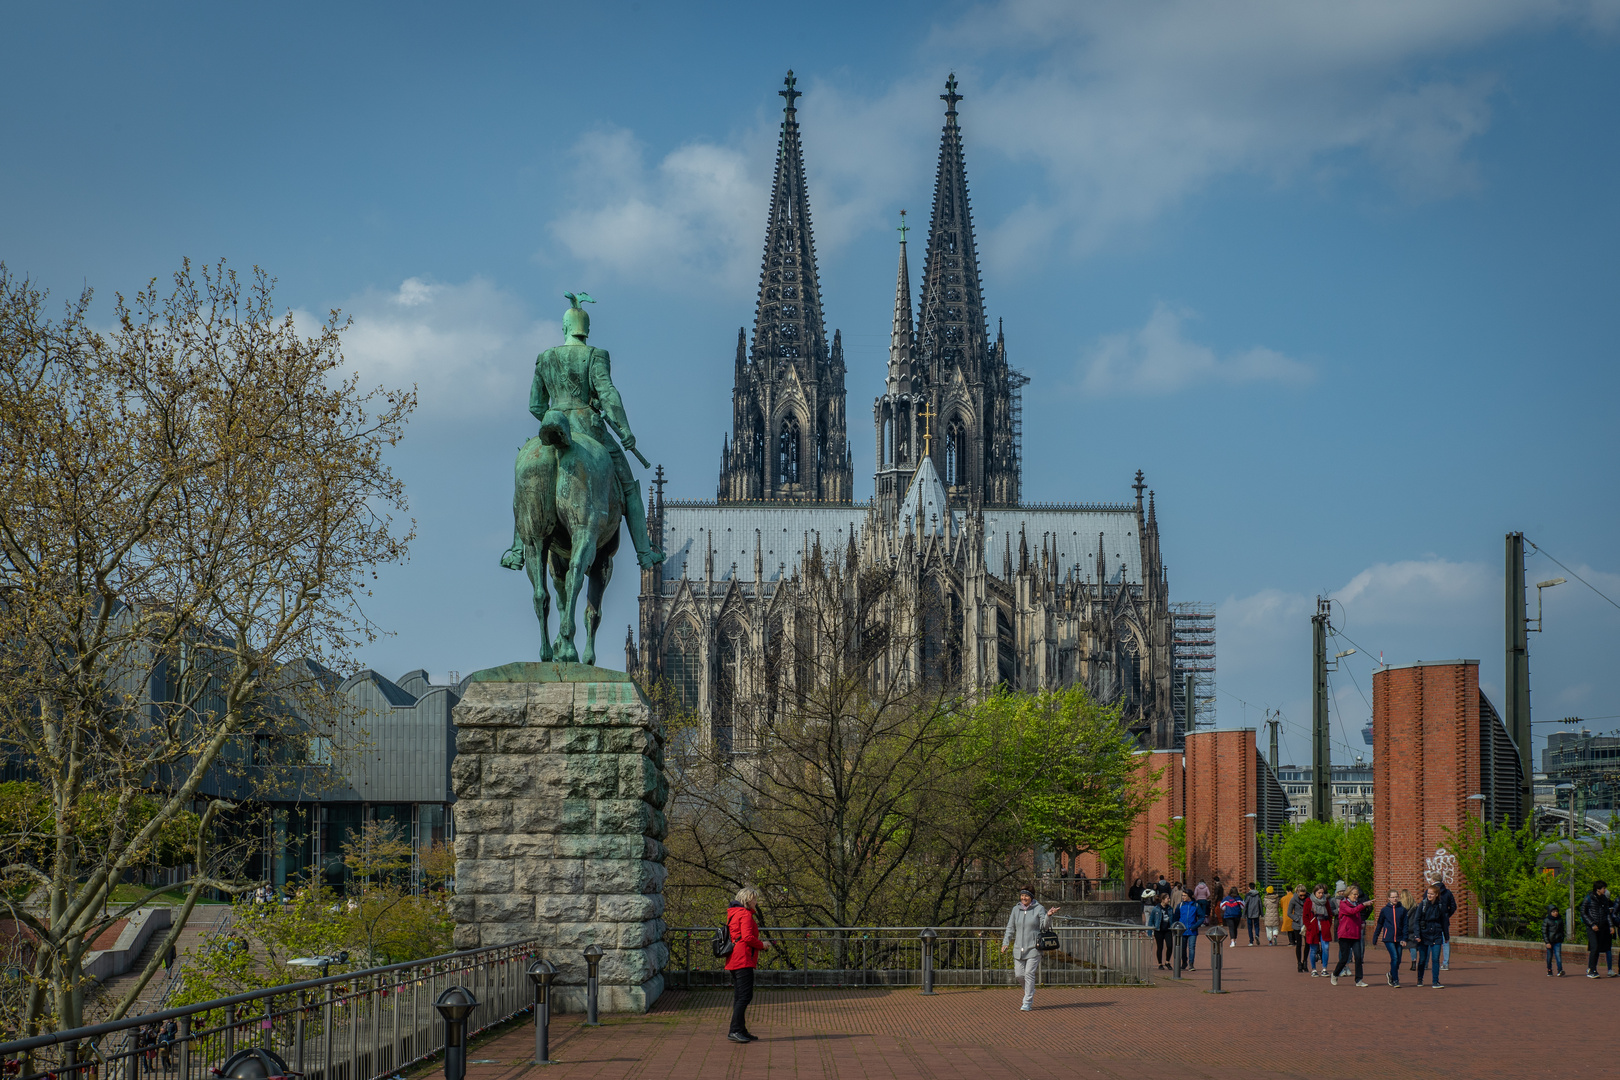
(1161, 920)
(1428, 928)
(1552, 936)
(1251, 913)
(1597, 912)
(1231, 915)
(1023, 937)
(1449, 903)
(1191, 917)
(743, 946)
(1391, 930)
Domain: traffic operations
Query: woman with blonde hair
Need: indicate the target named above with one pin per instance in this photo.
(742, 921)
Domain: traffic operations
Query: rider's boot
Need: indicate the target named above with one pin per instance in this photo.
(512, 557)
(635, 516)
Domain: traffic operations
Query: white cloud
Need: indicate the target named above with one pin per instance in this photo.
(465, 346)
(1159, 359)
(1130, 108)
(692, 218)
(1419, 592)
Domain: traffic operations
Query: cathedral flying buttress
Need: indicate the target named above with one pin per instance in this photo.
(1023, 595)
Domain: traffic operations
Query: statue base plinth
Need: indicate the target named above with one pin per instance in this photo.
(560, 789)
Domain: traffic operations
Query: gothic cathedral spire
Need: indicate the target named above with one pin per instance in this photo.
(789, 440)
(966, 379)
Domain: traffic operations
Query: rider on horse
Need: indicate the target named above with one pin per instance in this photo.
(573, 394)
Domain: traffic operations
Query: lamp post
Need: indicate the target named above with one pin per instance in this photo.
(455, 1005)
(1216, 935)
(1569, 863)
(1479, 908)
(1254, 844)
(593, 956)
(929, 936)
(541, 972)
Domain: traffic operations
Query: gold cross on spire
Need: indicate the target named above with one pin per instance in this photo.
(926, 414)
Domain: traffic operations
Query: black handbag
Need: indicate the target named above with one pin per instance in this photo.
(1048, 941)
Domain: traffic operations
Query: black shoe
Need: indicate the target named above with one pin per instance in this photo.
(736, 1038)
(750, 1036)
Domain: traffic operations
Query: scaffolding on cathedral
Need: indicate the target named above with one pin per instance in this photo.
(1193, 649)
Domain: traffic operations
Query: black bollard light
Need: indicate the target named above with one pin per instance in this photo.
(255, 1063)
(1178, 950)
(593, 956)
(541, 972)
(1216, 935)
(455, 1005)
(929, 936)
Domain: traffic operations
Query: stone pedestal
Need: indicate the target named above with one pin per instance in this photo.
(560, 794)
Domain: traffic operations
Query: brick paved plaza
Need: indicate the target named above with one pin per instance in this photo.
(1495, 1018)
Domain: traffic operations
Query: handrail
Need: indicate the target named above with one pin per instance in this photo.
(56, 1038)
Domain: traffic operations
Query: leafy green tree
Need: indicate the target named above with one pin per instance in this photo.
(1306, 852)
(1174, 834)
(1355, 862)
(1495, 862)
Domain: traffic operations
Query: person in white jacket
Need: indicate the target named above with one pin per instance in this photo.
(1024, 928)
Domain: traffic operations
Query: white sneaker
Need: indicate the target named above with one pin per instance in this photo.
(1360, 983)
(1023, 1008)
(1334, 979)
(1313, 973)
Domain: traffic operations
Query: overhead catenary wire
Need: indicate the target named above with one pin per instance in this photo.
(1543, 551)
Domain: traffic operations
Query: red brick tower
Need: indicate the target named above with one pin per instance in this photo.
(1222, 789)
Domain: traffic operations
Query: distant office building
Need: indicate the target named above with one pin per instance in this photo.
(389, 761)
(1591, 763)
(1351, 786)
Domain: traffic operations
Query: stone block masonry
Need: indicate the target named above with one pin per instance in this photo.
(560, 825)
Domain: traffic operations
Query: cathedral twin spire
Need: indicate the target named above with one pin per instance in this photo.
(789, 438)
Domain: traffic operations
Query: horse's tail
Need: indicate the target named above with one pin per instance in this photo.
(554, 431)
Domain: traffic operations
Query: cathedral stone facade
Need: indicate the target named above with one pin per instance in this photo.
(1025, 595)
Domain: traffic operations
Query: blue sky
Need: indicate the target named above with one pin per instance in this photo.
(1340, 278)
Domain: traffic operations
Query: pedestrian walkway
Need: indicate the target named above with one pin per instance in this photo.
(1495, 1018)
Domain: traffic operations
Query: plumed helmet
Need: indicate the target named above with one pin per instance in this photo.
(576, 322)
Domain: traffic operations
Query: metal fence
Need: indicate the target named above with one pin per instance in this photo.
(358, 1026)
(1089, 954)
(1054, 888)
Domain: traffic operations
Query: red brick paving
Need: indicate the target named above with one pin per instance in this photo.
(1495, 1018)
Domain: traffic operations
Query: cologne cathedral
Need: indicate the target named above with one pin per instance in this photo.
(1035, 595)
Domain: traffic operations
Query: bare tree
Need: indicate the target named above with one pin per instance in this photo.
(185, 503)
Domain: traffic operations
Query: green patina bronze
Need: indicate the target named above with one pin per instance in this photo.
(530, 671)
(573, 486)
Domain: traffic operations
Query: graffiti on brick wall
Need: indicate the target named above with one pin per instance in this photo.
(1442, 867)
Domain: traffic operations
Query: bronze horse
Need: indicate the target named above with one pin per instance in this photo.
(566, 506)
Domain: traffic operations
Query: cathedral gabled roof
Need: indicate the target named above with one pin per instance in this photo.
(925, 496)
(788, 320)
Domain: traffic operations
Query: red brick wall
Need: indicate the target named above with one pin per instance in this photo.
(1425, 765)
(1222, 787)
(1147, 853)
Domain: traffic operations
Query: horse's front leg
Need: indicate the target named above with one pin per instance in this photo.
(534, 560)
(596, 585)
(579, 563)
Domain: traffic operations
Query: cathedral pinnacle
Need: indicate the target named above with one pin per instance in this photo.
(950, 97)
(792, 92)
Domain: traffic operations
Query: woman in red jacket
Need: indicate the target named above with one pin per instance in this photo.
(742, 919)
(1318, 929)
(1353, 912)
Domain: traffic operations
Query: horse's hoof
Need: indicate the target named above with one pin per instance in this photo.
(650, 559)
(512, 558)
(563, 653)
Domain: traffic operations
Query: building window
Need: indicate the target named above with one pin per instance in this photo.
(681, 664)
(787, 452)
(955, 444)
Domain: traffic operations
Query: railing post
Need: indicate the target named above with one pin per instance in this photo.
(593, 956)
(184, 1039)
(298, 1032)
(328, 1018)
(929, 936)
(1178, 948)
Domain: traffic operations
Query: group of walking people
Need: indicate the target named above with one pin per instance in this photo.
(1315, 919)
(1169, 904)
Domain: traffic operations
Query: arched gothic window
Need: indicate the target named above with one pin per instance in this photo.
(888, 440)
(821, 441)
(758, 449)
(731, 717)
(682, 661)
(955, 447)
(787, 452)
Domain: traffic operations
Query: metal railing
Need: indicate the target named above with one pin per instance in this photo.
(361, 1025)
(1089, 954)
(1055, 889)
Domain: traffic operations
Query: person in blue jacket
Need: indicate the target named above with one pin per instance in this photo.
(1391, 930)
(1191, 917)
